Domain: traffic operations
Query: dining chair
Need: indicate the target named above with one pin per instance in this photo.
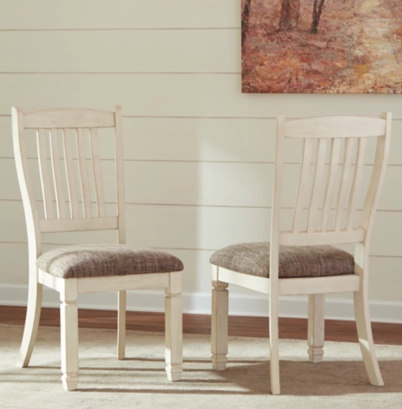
(302, 260)
(71, 198)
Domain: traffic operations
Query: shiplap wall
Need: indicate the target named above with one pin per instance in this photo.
(199, 154)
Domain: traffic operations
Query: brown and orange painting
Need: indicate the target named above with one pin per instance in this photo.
(322, 46)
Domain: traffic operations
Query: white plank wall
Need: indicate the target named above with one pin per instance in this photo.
(198, 153)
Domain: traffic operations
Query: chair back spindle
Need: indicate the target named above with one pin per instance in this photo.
(70, 170)
(333, 178)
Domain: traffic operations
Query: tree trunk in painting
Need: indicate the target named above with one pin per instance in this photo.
(290, 11)
(317, 11)
(245, 16)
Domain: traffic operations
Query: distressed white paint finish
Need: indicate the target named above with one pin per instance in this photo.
(174, 327)
(316, 327)
(121, 324)
(219, 323)
(71, 118)
(69, 334)
(44, 174)
(70, 174)
(335, 127)
(314, 129)
(70, 288)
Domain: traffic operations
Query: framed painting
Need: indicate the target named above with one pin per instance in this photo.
(322, 46)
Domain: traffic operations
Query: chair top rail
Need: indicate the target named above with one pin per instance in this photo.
(321, 238)
(335, 127)
(69, 118)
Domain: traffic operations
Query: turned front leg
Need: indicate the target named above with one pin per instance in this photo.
(316, 327)
(174, 327)
(69, 334)
(219, 325)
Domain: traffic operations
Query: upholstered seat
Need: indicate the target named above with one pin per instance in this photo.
(294, 261)
(106, 260)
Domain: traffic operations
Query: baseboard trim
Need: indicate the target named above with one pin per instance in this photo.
(200, 303)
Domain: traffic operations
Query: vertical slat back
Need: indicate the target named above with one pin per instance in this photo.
(96, 167)
(70, 173)
(345, 182)
(83, 173)
(44, 174)
(68, 183)
(57, 175)
(336, 185)
(317, 186)
(304, 180)
(331, 185)
(357, 182)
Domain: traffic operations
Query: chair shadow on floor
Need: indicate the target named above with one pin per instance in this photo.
(246, 377)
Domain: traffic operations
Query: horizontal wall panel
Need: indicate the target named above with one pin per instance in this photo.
(193, 228)
(121, 51)
(229, 184)
(202, 184)
(6, 140)
(385, 278)
(108, 14)
(181, 139)
(211, 139)
(197, 139)
(14, 263)
(215, 95)
(213, 228)
(199, 183)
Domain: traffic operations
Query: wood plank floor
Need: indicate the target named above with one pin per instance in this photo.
(293, 328)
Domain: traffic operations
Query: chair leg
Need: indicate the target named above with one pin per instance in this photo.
(365, 334)
(219, 325)
(274, 345)
(316, 327)
(121, 325)
(174, 327)
(69, 334)
(31, 322)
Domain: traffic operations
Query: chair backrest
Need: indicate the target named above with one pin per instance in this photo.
(332, 190)
(72, 192)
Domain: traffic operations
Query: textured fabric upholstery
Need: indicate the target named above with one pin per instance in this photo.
(294, 261)
(106, 260)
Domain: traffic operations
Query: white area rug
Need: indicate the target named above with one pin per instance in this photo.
(140, 381)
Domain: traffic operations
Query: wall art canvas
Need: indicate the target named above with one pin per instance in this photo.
(322, 46)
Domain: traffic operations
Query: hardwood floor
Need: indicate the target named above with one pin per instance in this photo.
(293, 328)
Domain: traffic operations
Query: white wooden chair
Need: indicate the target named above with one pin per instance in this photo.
(80, 206)
(302, 260)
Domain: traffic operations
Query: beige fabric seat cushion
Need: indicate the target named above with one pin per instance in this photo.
(106, 260)
(294, 261)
